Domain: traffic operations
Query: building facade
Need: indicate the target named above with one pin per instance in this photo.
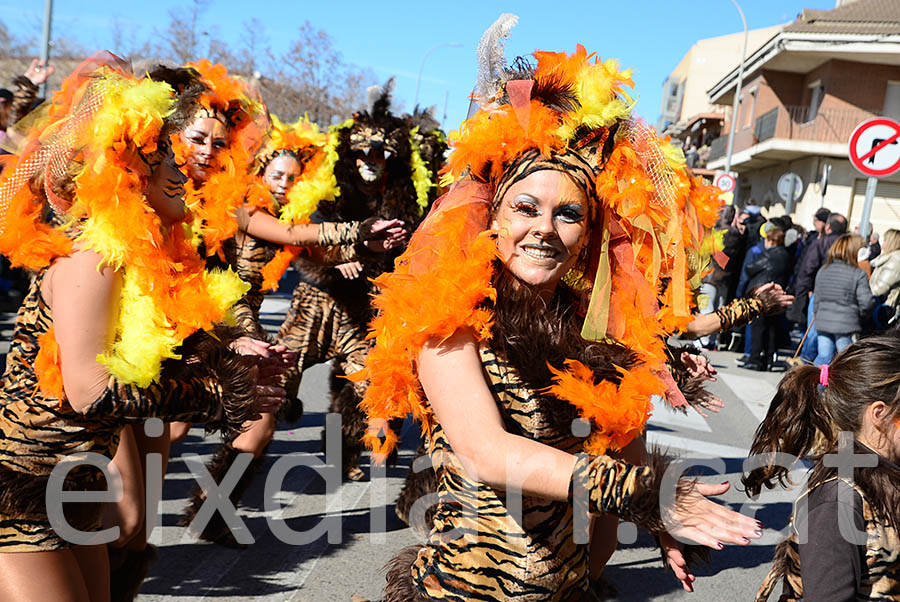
(804, 92)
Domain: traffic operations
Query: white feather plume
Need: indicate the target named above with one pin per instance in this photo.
(491, 58)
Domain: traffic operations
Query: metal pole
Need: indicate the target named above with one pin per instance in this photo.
(45, 43)
(790, 203)
(444, 115)
(867, 208)
(737, 93)
(422, 64)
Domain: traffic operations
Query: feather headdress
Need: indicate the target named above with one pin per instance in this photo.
(648, 222)
(213, 202)
(90, 146)
(315, 152)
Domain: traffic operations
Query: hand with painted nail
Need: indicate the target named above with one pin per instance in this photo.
(695, 518)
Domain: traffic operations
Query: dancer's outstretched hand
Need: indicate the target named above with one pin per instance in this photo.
(251, 346)
(698, 364)
(351, 270)
(39, 71)
(708, 523)
(269, 397)
(386, 234)
(774, 299)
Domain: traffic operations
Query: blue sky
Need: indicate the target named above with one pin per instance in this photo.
(391, 37)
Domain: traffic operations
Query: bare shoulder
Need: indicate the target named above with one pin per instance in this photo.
(81, 274)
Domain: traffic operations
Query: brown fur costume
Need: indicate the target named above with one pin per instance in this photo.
(330, 314)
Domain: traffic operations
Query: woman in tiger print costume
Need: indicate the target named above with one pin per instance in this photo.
(843, 541)
(512, 368)
(91, 343)
(291, 173)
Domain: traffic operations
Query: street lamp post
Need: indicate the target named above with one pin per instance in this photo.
(422, 64)
(45, 43)
(737, 92)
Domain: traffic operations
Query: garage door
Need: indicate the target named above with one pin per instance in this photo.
(885, 208)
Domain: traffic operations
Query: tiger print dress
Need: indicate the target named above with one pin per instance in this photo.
(38, 432)
(483, 546)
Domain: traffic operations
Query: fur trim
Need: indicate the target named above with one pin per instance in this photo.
(400, 586)
(776, 575)
(345, 401)
(218, 466)
(216, 529)
(238, 381)
(126, 579)
(690, 386)
(536, 336)
(209, 354)
(644, 507)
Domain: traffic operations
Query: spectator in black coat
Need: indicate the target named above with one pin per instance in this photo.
(815, 257)
(773, 265)
(751, 219)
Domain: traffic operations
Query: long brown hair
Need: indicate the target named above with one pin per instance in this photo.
(804, 420)
(845, 249)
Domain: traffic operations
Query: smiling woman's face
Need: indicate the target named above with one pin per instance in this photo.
(542, 224)
(204, 138)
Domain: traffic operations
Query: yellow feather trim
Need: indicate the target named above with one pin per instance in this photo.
(421, 175)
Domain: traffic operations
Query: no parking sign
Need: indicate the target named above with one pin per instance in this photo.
(874, 150)
(875, 147)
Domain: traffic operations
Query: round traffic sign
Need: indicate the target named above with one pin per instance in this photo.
(789, 184)
(875, 147)
(724, 182)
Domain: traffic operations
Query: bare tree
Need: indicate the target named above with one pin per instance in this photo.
(12, 44)
(310, 77)
(182, 37)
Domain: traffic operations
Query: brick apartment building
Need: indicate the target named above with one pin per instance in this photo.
(804, 92)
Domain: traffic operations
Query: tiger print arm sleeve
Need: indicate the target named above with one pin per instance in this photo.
(221, 394)
(338, 233)
(628, 491)
(739, 313)
(334, 255)
(246, 319)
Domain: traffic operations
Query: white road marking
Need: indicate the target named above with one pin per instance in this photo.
(705, 448)
(664, 415)
(756, 393)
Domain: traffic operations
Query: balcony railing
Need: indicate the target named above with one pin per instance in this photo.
(800, 123)
(795, 123)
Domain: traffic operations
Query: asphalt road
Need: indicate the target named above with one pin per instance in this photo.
(364, 533)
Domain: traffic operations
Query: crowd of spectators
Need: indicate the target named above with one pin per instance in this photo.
(843, 284)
